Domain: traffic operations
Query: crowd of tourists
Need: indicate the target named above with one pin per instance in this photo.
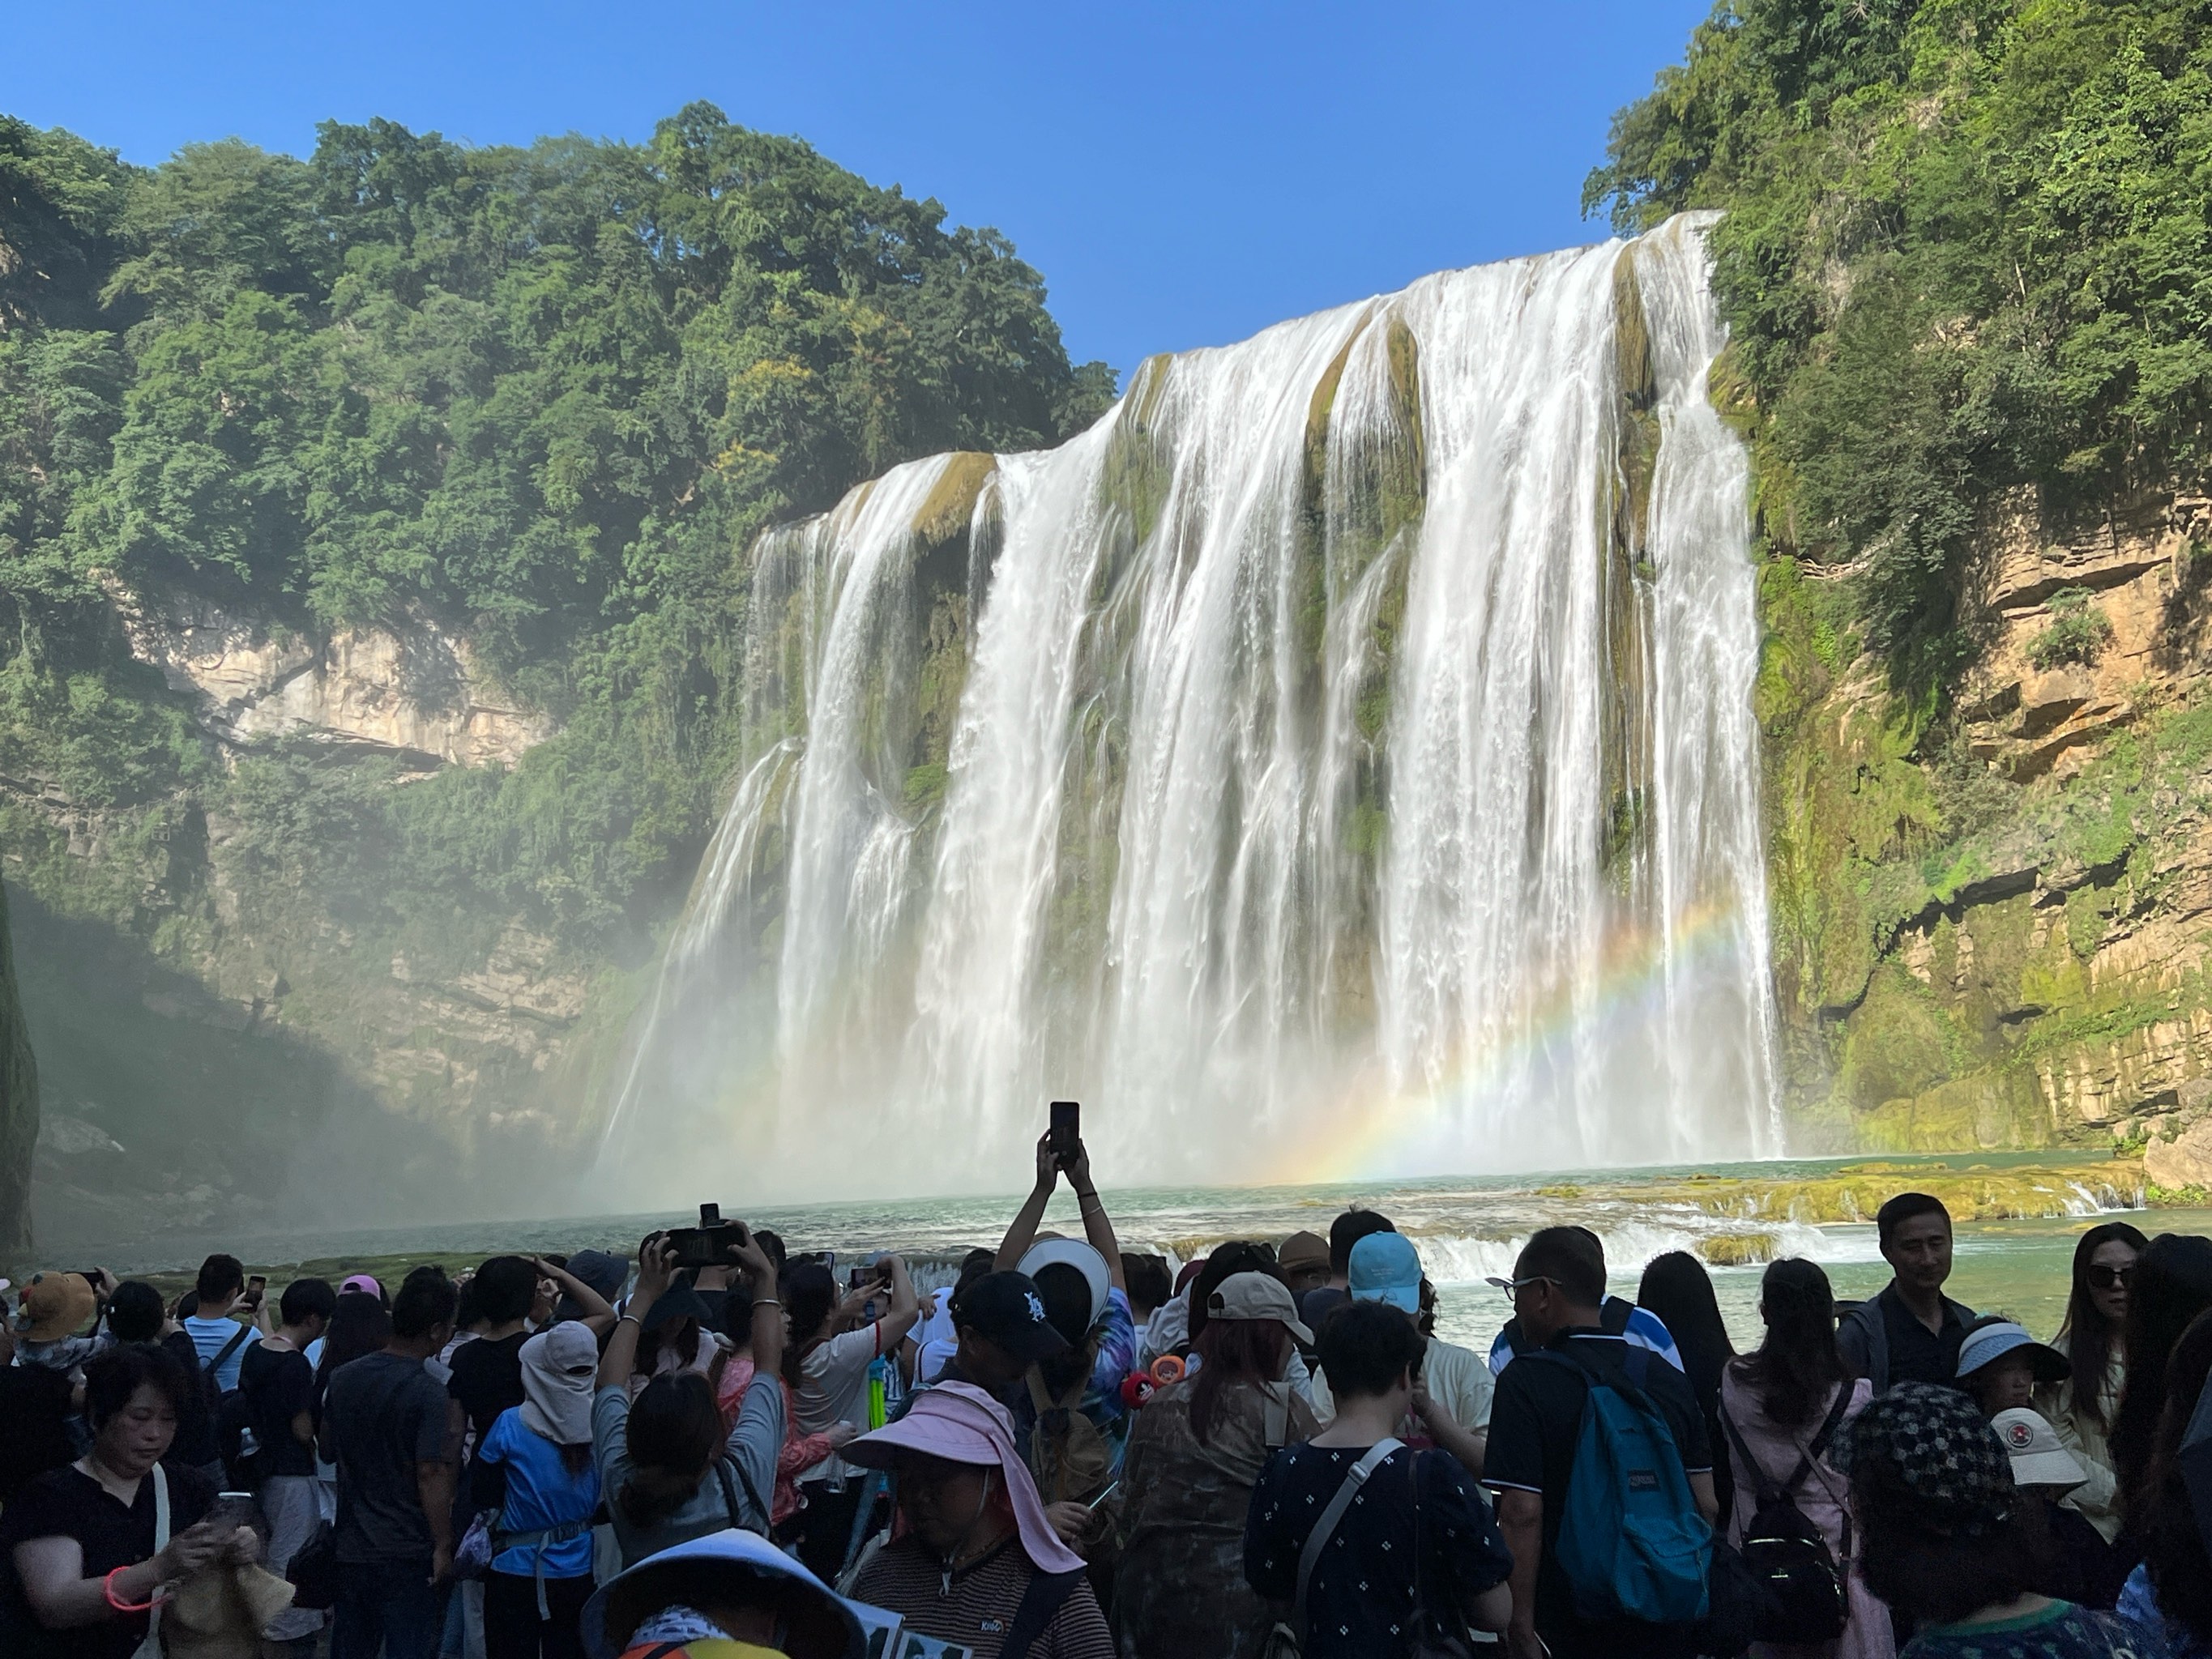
(722, 1448)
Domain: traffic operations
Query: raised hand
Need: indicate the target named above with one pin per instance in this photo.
(656, 1268)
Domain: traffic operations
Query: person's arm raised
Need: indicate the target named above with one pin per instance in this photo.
(656, 1266)
(1097, 1228)
(759, 1274)
(906, 1307)
(1022, 1233)
(598, 1312)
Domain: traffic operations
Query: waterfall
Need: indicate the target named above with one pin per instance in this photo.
(1339, 760)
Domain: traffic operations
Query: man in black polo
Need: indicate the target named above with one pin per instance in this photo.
(1535, 1423)
(1910, 1331)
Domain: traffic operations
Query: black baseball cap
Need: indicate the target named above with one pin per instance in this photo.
(1006, 1309)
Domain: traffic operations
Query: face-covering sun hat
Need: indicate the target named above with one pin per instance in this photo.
(724, 1568)
(961, 1424)
(559, 1365)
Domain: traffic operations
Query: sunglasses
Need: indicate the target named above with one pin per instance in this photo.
(2107, 1279)
(1512, 1286)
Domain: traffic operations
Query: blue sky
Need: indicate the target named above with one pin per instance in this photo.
(1182, 174)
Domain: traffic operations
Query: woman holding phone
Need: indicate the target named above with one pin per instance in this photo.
(93, 1542)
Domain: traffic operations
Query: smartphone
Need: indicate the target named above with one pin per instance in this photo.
(231, 1511)
(256, 1287)
(1066, 1129)
(708, 1244)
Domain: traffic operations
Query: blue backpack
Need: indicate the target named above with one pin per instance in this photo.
(1631, 1541)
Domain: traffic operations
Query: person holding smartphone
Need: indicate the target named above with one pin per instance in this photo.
(89, 1544)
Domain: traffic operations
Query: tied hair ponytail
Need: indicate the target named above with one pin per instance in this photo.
(810, 1296)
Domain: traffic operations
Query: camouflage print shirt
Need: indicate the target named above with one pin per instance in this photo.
(1181, 1589)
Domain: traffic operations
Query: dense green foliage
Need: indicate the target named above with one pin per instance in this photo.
(1967, 250)
(542, 397)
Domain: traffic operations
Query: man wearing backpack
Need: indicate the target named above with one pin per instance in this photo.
(214, 1326)
(1599, 1454)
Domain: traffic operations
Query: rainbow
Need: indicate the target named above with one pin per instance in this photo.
(1373, 1131)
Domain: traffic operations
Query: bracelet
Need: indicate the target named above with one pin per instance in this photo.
(766, 1302)
(108, 1588)
(633, 1319)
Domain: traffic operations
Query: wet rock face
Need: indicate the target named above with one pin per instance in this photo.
(416, 692)
(2040, 976)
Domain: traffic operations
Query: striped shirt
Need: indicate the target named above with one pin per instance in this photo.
(975, 1607)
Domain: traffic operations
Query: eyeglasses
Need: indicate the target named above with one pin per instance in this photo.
(1512, 1286)
(2107, 1279)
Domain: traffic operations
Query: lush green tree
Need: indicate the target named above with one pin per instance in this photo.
(1967, 251)
(541, 396)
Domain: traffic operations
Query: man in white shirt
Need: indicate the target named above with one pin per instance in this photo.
(1386, 1267)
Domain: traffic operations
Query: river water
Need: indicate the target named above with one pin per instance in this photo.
(1465, 1228)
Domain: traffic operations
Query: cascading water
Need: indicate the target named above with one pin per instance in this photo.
(1338, 760)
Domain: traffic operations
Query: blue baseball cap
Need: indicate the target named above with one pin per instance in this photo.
(1386, 1267)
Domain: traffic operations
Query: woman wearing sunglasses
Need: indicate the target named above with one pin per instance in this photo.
(2082, 1408)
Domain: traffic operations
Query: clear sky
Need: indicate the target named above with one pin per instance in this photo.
(1182, 174)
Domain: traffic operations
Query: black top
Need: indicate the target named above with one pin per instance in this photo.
(1536, 1422)
(1360, 1600)
(384, 1414)
(66, 1503)
(1918, 1354)
(487, 1378)
(35, 1409)
(194, 1445)
(278, 1385)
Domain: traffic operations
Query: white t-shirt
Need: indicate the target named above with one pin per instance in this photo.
(1457, 1377)
(833, 1388)
(211, 1337)
(935, 1341)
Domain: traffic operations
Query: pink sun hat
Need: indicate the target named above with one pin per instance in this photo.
(362, 1282)
(961, 1424)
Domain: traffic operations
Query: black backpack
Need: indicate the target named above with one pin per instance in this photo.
(1800, 1595)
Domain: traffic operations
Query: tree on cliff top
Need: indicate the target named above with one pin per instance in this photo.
(544, 396)
(1966, 249)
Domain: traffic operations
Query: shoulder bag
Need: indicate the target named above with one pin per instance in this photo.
(151, 1647)
(1286, 1640)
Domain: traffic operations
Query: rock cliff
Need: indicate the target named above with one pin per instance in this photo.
(417, 692)
(1995, 933)
(224, 1042)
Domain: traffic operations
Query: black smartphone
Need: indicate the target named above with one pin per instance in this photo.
(256, 1288)
(231, 1511)
(1066, 1129)
(708, 1244)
